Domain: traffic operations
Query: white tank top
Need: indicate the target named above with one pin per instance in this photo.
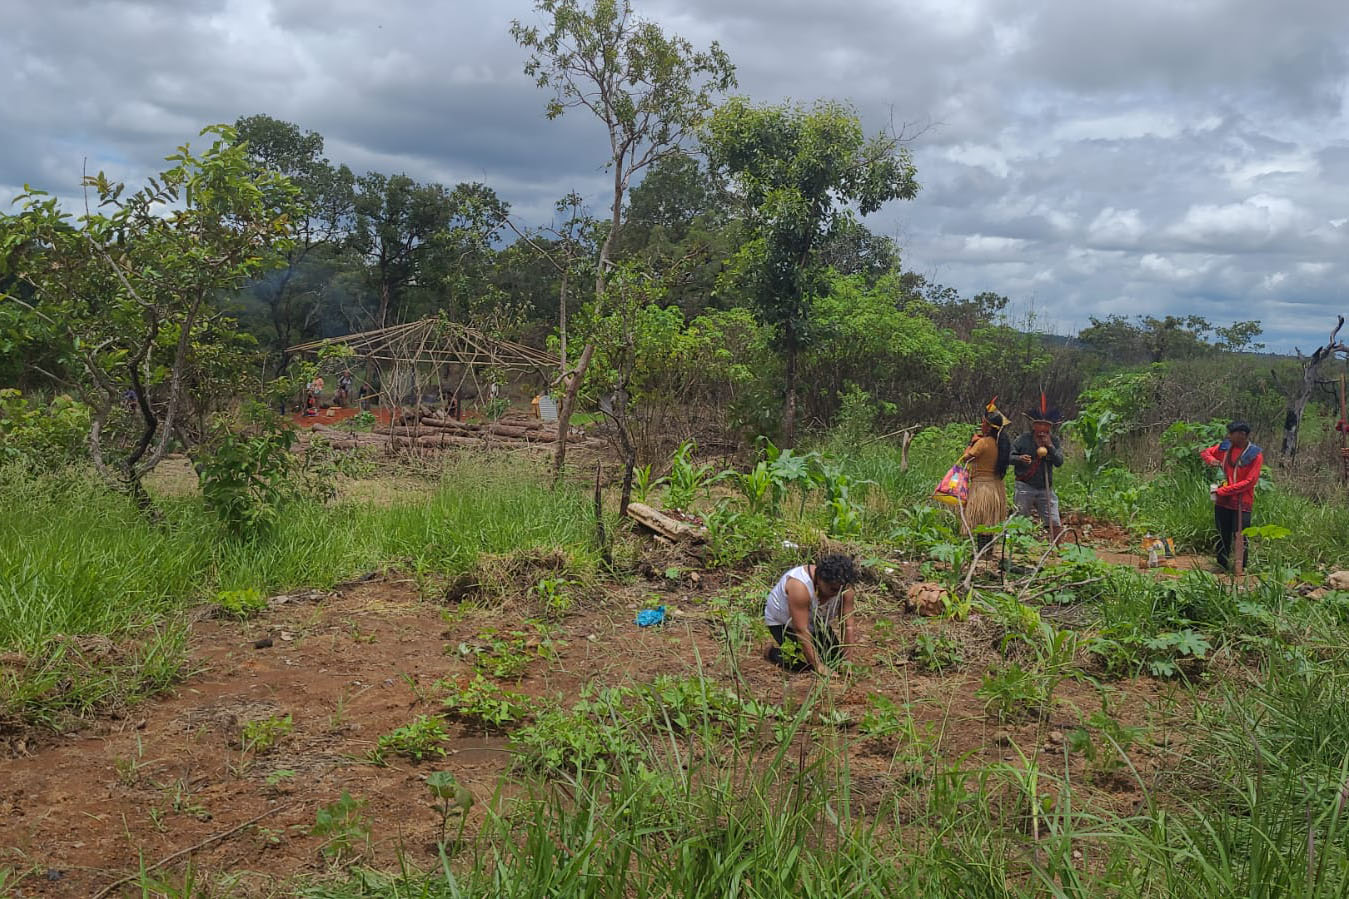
(776, 610)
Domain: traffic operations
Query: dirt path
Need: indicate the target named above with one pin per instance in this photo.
(346, 668)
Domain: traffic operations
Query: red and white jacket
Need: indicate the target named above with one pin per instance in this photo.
(1241, 473)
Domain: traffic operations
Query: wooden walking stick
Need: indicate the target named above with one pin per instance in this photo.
(1239, 539)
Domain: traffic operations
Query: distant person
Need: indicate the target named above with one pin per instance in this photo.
(367, 396)
(1234, 499)
(806, 608)
(988, 455)
(343, 395)
(315, 390)
(1035, 455)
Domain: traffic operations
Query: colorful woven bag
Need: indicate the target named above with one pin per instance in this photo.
(954, 487)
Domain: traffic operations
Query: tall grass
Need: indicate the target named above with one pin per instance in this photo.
(78, 562)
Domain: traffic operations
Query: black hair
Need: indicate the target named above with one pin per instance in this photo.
(836, 569)
(1004, 453)
(1238, 426)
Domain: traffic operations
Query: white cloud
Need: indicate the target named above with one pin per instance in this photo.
(1130, 125)
(1105, 157)
(1254, 223)
(985, 157)
(1116, 228)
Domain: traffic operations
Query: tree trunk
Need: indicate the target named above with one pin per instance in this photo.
(1302, 392)
(562, 323)
(384, 296)
(564, 414)
(629, 464)
(615, 224)
(1293, 417)
(789, 404)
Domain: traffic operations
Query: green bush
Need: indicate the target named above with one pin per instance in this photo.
(43, 439)
(240, 603)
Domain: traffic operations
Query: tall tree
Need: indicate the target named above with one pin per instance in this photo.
(327, 193)
(799, 173)
(649, 89)
(129, 286)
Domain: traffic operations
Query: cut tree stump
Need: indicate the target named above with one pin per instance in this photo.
(664, 525)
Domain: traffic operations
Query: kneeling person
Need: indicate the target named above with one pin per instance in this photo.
(806, 606)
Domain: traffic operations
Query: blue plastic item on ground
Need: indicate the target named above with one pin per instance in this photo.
(648, 617)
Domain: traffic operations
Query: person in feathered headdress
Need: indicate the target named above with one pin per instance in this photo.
(988, 456)
(1035, 455)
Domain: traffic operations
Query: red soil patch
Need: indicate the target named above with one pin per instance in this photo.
(78, 814)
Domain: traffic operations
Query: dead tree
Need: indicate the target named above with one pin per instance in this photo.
(1301, 392)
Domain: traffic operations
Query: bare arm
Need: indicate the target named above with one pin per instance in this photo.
(798, 607)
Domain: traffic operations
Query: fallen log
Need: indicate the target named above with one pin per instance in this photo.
(449, 424)
(435, 441)
(515, 421)
(664, 525)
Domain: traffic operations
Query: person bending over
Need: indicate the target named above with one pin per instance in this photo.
(807, 607)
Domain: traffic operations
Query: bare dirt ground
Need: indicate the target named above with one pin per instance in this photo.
(79, 812)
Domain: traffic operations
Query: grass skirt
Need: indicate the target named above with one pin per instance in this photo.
(987, 503)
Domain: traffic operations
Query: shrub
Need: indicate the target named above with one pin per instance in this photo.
(42, 439)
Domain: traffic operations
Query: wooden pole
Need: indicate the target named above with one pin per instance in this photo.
(1344, 426)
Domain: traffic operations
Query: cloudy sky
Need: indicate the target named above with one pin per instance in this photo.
(1083, 157)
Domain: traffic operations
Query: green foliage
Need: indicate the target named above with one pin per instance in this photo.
(261, 734)
(591, 736)
(68, 543)
(419, 739)
(734, 535)
(937, 653)
(240, 604)
(643, 483)
(504, 655)
(1011, 692)
(247, 480)
(649, 88)
(757, 487)
(554, 593)
(800, 173)
(487, 704)
(922, 528)
(845, 511)
(450, 797)
(344, 828)
(42, 439)
(687, 478)
(866, 351)
(126, 289)
(882, 718)
(1104, 740)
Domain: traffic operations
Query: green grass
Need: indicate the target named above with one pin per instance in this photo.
(676, 788)
(1253, 807)
(78, 563)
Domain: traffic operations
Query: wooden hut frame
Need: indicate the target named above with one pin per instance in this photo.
(402, 353)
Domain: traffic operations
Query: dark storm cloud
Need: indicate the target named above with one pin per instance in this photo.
(1146, 156)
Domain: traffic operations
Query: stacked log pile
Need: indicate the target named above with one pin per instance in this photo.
(421, 430)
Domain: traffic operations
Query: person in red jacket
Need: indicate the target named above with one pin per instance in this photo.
(1234, 499)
